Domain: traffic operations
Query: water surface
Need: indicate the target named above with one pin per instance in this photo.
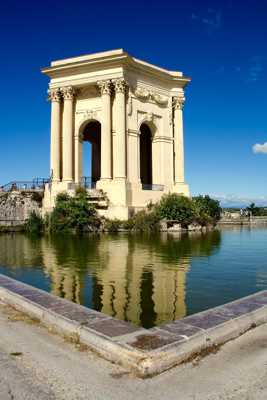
(147, 280)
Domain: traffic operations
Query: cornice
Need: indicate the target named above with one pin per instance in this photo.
(109, 60)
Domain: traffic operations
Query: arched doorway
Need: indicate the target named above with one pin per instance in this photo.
(145, 155)
(92, 135)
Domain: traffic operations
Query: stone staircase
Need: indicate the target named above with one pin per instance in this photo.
(97, 198)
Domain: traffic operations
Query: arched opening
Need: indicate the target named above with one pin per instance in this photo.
(92, 139)
(145, 156)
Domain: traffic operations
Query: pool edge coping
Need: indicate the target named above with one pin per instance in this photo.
(146, 352)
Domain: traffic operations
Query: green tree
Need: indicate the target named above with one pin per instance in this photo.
(73, 214)
(176, 207)
(207, 210)
(34, 224)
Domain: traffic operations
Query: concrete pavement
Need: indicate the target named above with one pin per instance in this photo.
(37, 364)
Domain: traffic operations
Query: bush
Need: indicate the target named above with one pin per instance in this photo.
(38, 197)
(113, 225)
(176, 207)
(34, 224)
(144, 221)
(73, 214)
(208, 211)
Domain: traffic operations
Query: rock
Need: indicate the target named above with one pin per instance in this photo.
(194, 227)
(16, 207)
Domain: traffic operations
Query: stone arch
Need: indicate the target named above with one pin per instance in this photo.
(148, 120)
(145, 151)
(90, 131)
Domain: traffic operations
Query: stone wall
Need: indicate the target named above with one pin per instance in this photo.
(16, 206)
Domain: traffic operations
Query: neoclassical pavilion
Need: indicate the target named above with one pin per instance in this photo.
(131, 112)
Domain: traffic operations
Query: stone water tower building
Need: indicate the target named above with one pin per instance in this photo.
(132, 114)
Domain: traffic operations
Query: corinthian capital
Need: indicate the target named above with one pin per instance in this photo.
(120, 85)
(105, 87)
(178, 102)
(68, 92)
(54, 94)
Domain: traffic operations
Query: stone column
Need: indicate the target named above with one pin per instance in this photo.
(178, 139)
(78, 142)
(67, 144)
(105, 88)
(55, 97)
(119, 158)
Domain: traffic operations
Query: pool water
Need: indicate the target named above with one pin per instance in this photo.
(145, 279)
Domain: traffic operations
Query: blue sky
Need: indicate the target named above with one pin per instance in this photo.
(222, 45)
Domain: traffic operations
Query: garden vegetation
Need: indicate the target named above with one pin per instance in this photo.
(76, 214)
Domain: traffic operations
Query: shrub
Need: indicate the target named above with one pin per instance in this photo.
(144, 221)
(34, 224)
(207, 210)
(113, 225)
(38, 197)
(73, 214)
(128, 224)
(176, 207)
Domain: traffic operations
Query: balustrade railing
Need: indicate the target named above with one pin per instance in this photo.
(88, 183)
(35, 184)
(147, 186)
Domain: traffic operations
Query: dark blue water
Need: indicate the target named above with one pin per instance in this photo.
(147, 280)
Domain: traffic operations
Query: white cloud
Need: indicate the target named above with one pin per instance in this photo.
(256, 68)
(260, 148)
(211, 18)
(232, 200)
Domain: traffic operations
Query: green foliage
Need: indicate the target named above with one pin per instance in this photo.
(128, 224)
(113, 225)
(73, 214)
(38, 197)
(257, 211)
(207, 210)
(176, 207)
(34, 224)
(144, 221)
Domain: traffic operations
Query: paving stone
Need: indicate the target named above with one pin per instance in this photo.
(49, 302)
(77, 313)
(260, 298)
(241, 307)
(206, 320)
(154, 339)
(112, 327)
(180, 328)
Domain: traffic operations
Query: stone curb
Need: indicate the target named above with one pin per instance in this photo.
(147, 352)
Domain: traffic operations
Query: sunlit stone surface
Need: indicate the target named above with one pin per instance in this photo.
(132, 114)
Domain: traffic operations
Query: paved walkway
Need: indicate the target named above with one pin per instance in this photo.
(36, 364)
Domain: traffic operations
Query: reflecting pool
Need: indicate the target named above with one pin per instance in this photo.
(147, 280)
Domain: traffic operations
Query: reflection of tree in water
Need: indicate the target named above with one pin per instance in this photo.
(138, 278)
(176, 245)
(19, 250)
(67, 260)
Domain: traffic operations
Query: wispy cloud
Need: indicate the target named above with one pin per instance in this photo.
(212, 19)
(255, 69)
(232, 200)
(260, 148)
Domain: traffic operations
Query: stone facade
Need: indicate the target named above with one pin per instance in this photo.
(132, 114)
(16, 207)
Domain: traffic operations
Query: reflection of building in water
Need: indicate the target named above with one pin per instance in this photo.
(142, 280)
(137, 287)
(65, 281)
(129, 280)
(18, 250)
